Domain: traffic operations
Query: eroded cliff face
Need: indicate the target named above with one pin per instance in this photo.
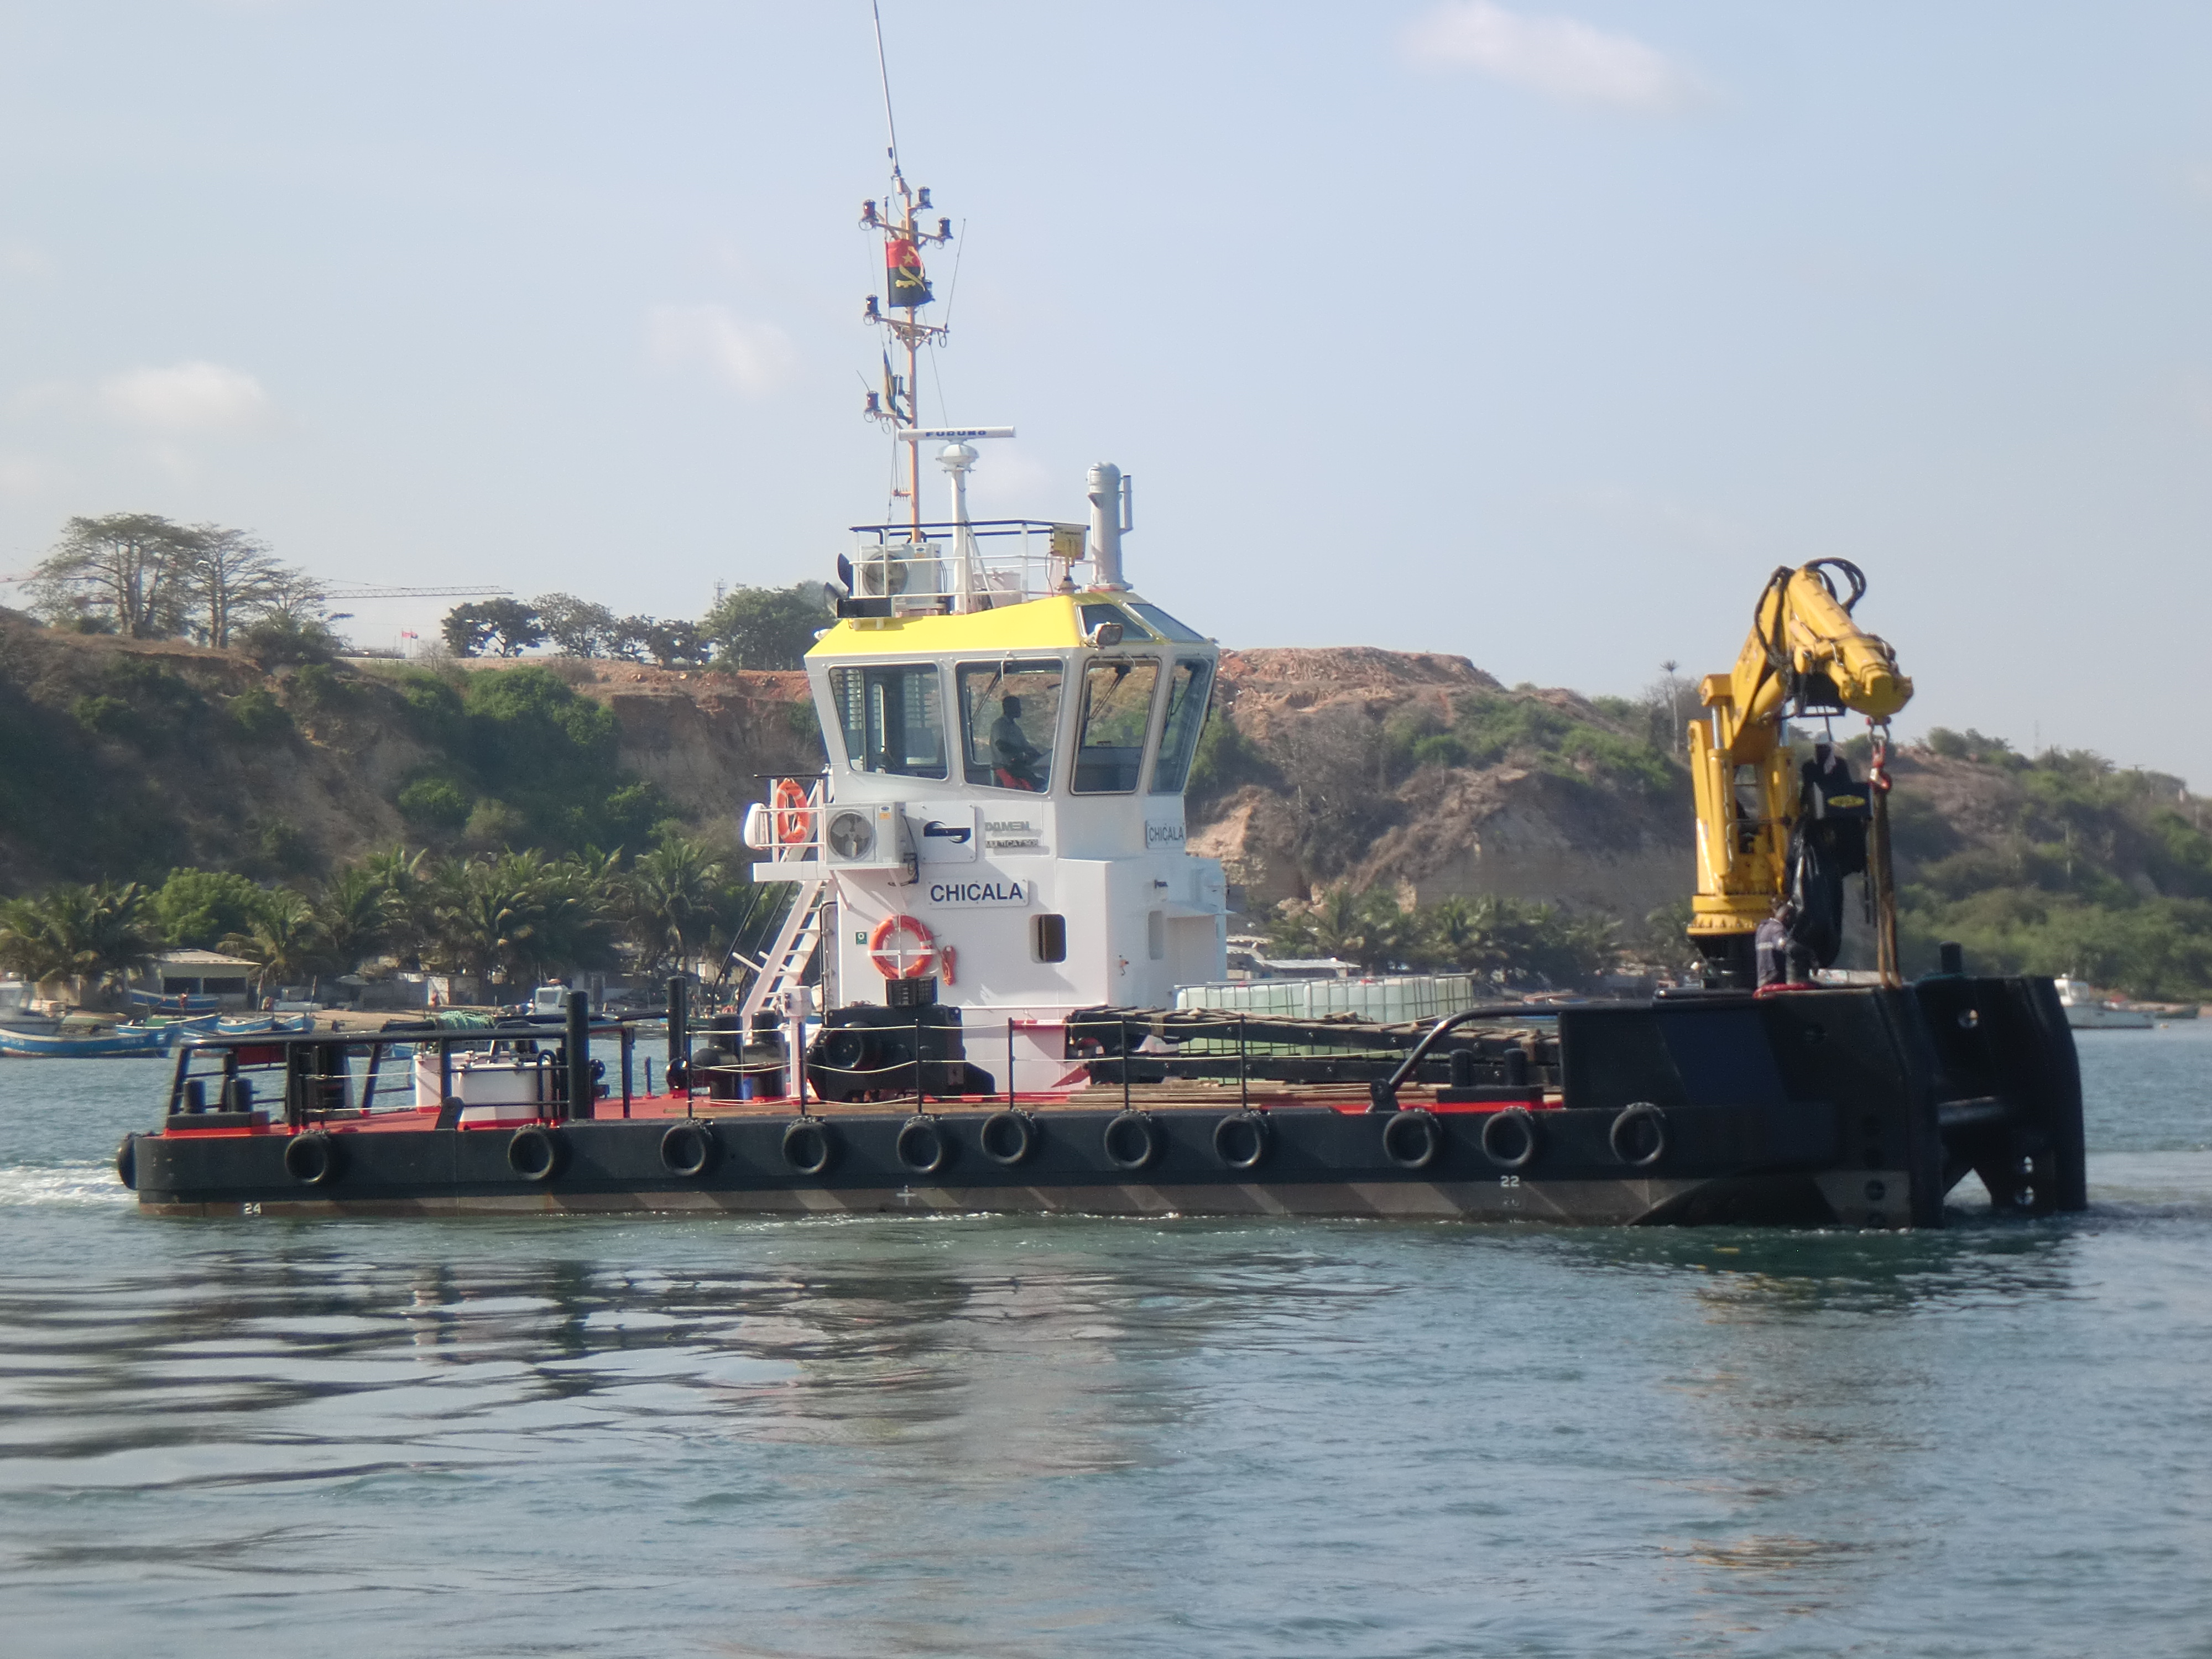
(704, 737)
(1345, 791)
(121, 758)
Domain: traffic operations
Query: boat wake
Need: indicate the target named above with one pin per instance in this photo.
(70, 1185)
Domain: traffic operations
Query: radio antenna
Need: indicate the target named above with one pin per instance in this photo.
(884, 71)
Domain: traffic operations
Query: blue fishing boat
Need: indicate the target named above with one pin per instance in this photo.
(118, 1042)
(174, 1002)
(253, 1025)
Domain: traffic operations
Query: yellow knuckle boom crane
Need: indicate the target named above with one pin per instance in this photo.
(1804, 655)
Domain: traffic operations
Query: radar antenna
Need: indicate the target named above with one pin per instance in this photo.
(897, 403)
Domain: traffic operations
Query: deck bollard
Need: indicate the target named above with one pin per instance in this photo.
(582, 1097)
(679, 1032)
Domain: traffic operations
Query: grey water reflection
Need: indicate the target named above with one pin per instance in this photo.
(1034, 1437)
(1048, 1367)
(859, 1408)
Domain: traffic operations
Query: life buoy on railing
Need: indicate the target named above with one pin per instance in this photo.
(793, 812)
(902, 948)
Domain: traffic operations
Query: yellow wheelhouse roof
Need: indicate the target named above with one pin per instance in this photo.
(1051, 624)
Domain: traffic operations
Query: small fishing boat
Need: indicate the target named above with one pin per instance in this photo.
(2090, 1009)
(16, 1013)
(117, 1042)
(253, 1025)
(174, 1002)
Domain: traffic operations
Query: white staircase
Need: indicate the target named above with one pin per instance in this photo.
(787, 958)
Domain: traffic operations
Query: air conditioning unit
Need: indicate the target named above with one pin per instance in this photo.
(868, 837)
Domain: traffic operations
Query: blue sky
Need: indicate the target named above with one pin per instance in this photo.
(1536, 334)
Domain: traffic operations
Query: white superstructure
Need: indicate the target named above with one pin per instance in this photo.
(1003, 807)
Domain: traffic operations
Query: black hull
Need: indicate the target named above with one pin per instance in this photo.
(1857, 1108)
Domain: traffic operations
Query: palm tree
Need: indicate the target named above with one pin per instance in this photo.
(283, 941)
(400, 874)
(354, 914)
(580, 897)
(675, 900)
(88, 935)
(483, 913)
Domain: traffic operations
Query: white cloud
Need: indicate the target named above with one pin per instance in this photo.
(756, 358)
(189, 398)
(1554, 55)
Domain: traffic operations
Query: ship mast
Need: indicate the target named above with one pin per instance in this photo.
(907, 291)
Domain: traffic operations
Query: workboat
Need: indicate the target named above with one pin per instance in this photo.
(2089, 1010)
(971, 1002)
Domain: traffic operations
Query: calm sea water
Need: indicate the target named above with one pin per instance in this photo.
(1039, 1437)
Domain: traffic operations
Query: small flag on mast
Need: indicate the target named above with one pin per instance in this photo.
(903, 274)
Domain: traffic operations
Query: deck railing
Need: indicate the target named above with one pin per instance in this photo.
(960, 568)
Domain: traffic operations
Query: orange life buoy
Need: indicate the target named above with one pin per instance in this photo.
(902, 948)
(792, 812)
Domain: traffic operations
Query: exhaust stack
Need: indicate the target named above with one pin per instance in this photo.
(1111, 520)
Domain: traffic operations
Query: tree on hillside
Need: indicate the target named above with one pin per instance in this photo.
(576, 627)
(508, 627)
(764, 627)
(675, 644)
(229, 579)
(146, 577)
(132, 568)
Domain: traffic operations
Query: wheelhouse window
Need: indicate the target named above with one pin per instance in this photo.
(1008, 712)
(1166, 626)
(893, 718)
(1130, 627)
(1188, 688)
(1117, 713)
